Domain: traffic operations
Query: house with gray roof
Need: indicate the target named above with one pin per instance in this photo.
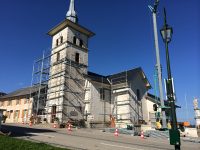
(20, 104)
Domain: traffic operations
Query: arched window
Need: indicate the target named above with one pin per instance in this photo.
(57, 42)
(74, 40)
(61, 39)
(77, 55)
(81, 43)
(58, 56)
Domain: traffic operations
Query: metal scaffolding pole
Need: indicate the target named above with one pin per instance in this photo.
(40, 82)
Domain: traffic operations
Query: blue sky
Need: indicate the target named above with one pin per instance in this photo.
(124, 39)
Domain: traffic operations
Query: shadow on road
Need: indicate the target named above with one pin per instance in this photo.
(18, 131)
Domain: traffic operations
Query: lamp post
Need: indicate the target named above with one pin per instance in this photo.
(166, 33)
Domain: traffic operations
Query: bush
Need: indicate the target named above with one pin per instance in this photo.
(129, 127)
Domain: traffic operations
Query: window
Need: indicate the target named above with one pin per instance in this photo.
(74, 40)
(16, 114)
(61, 39)
(26, 100)
(24, 113)
(11, 111)
(53, 113)
(57, 42)
(9, 103)
(102, 94)
(54, 110)
(81, 43)
(138, 94)
(77, 55)
(17, 101)
(7, 113)
(58, 56)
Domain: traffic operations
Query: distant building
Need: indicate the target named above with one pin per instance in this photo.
(19, 104)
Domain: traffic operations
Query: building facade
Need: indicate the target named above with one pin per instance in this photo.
(149, 115)
(117, 96)
(19, 105)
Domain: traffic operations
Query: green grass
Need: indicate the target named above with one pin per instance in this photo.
(8, 143)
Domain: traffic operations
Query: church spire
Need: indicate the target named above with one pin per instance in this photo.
(71, 14)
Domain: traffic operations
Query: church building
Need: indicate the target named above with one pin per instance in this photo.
(74, 93)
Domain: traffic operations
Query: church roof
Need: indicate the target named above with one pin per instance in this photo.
(119, 77)
(97, 78)
(68, 23)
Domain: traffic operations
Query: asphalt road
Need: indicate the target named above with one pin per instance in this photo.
(90, 139)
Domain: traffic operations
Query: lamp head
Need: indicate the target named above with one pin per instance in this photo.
(166, 33)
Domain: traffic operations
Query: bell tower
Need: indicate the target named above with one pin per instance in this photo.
(69, 65)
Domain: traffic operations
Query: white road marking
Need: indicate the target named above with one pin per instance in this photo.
(40, 134)
(121, 146)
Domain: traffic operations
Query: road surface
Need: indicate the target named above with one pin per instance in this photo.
(90, 139)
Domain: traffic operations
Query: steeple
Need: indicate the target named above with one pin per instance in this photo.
(71, 14)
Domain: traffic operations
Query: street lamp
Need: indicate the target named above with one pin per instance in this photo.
(166, 33)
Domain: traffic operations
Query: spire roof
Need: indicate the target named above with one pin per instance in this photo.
(71, 14)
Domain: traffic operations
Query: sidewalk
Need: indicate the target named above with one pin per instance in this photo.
(191, 139)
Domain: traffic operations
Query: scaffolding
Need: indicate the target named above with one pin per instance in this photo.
(105, 98)
(64, 79)
(39, 81)
(120, 85)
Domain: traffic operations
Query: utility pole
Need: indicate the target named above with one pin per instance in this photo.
(154, 12)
